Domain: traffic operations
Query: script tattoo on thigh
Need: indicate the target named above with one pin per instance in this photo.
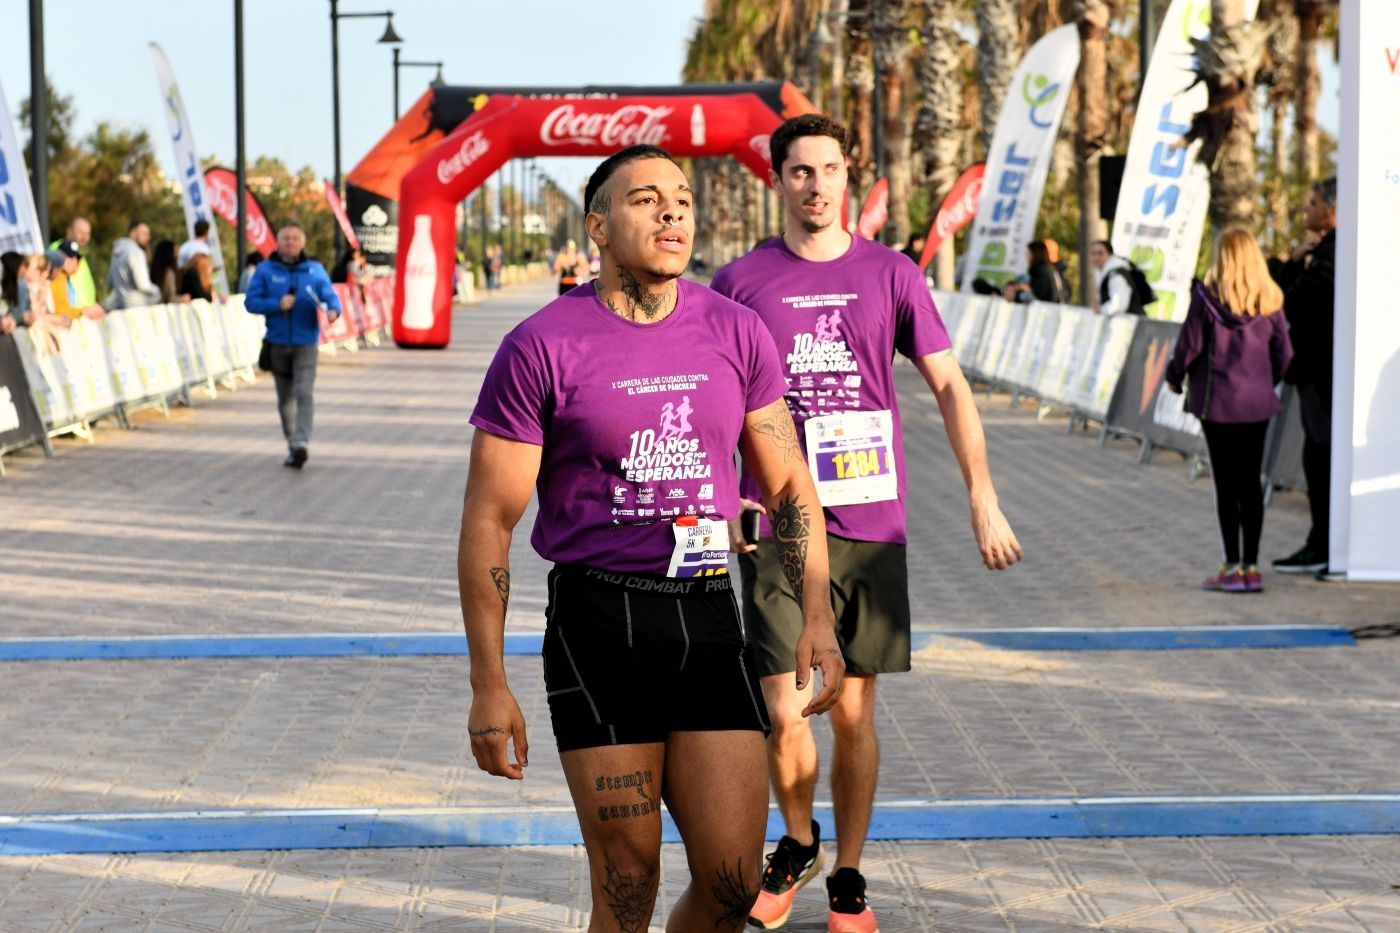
(780, 430)
(630, 900)
(501, 577)
(734, 896)
(792, 526)
(638, 781)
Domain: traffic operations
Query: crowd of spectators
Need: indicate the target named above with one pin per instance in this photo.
(56, 287)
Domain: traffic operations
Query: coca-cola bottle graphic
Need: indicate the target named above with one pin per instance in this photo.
(697, 126)
(420, 276)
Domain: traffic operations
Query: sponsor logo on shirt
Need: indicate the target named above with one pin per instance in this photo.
(853, 381)
(675, 493)
(822, 350)
(646, 496)
(619, 494)
(707, 491)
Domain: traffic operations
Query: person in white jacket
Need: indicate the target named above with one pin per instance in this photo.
(1113, 279)
(130, 274)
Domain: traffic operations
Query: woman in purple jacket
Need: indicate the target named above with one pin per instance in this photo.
(1234, 348)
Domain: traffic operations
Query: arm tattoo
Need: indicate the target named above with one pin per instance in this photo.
(631, 901)
(782, 432)
(501, 577)
(734, 896)
(649, 305)
(486, 730)
(791, 528)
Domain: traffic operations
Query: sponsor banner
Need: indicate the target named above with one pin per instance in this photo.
(1019, 159)
(19, 421)
(222, 186)
(1162, 204)
(19, 221)
(957, 210)
(338, 210)
(1142, 405)
(875, 211)
(1364, 538)
(188, 176)
(375, 220)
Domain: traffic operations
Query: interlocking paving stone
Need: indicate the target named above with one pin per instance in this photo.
(189, 525)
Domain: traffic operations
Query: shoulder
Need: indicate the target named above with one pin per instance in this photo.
(754, 261)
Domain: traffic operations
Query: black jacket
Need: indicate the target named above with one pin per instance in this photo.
(1309, 303)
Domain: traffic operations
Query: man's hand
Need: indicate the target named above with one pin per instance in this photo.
(29, 318)
(1308, 244)
(494, 720)
(737, 544)
(287, 302)
(332, 315)
(7, 324)
(995, 539)
(817, 647)
(94, 312)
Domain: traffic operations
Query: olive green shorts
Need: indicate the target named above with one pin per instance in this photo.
(869, 594)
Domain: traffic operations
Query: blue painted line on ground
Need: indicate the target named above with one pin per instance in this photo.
(410, 644)
(917, 820)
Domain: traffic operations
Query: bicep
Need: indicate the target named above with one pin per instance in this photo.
(940, 370)
(501, 478)
(770, 446)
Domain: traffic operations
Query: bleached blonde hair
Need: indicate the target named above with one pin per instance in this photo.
(1239, 275)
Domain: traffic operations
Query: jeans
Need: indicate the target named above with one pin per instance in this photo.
(294, 372)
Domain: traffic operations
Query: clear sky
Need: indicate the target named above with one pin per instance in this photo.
(96, 52)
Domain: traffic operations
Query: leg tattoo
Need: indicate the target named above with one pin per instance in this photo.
(734, 896)
(630, 900)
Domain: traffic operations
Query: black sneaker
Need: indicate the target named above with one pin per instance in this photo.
(1304, 560)
(790, 866)
(847, 910)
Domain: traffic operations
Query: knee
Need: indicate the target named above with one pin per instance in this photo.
(624, 872)
(788, 726)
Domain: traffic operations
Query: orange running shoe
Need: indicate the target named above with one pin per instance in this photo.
(848, 912)
(790, 866)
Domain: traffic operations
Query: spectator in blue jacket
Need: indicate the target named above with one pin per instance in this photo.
(289, 288)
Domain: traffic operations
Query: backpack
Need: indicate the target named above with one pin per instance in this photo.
(1143, 293)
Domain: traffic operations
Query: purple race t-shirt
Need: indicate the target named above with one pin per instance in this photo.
(837, 325)
(639, 422)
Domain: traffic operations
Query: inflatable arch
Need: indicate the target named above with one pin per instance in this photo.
(514, 126)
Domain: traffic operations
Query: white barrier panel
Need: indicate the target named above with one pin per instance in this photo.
(210, 340)
(157, 360)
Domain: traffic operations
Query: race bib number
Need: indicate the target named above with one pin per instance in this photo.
(702, 548)
(851, 456)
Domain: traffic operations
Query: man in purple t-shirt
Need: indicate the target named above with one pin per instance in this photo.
(621, 404)
(839, 308)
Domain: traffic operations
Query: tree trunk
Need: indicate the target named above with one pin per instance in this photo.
(860, 85)
(1308, 87)
(1228, 61)
(1090, 135)
(940, 115)
(836, 108)
(891, 52)
(998, 53)
(1278, 193)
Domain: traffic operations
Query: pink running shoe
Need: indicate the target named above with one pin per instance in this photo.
(1253, 583)
(790, 867)
(1235, 582)
(1221, 581)
(848, 912)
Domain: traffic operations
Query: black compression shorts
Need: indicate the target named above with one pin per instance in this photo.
(630, 658)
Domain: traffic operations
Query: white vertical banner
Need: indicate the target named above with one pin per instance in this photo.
(19, 221)
(1019, 159)
(188, 173)
(1365, 515)
(1162, 203)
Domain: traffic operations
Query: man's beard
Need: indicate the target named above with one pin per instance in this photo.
(812, 226)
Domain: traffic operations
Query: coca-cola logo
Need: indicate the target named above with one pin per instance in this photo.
(635, 124)
(472, 148)
(223, 200)
(953, 216)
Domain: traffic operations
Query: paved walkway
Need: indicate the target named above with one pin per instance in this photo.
(190, 526)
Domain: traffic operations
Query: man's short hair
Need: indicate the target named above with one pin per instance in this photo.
(292, 224)
(1326, 190)
(131, 227)
(794, 128)
(595, 200)
(201, 227)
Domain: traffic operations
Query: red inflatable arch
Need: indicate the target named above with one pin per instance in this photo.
(508, 127)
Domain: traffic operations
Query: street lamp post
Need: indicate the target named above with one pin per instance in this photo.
(389, 38)
(39, 120)
(399, 63)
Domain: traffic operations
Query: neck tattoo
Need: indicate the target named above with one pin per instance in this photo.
(651, 306)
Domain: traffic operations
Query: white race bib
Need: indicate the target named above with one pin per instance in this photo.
(702, 548)
(851, 456)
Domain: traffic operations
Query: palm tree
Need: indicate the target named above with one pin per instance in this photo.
(892, 45)
(1277, 74)
(1092, 129)
(1308, 86)
(860, 85)
(998, 52)
(939, 122)
(1226, 62)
